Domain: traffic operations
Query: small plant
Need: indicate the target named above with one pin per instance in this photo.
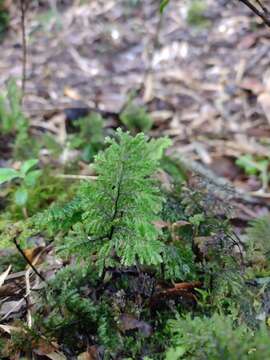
(131, 240)
(27, 177)
(72, 312)
(135, 118)
(90, 138)
(112, 218)
(215, 338)
(258, 167)
(196, 13)
(258, 240)
(11, 116)
(14, 123)
(163, 4)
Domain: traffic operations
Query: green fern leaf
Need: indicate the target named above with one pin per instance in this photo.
(113, 217)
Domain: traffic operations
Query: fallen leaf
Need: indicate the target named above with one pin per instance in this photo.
(32, 253)
(187, 286)
(160, 224)
(72, 93)
(247, 41)
(253, 85)
(129, 322)
(225, 167)
(204, 245)
(44, 348)
(4, 275)
(183, 295)
(264, 101)
(7, 290)
(10, 307)
(161, 116)
(90, 354)
(9, 328)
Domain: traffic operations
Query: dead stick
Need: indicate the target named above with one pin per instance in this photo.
(28, 261)
(23, 6)
(262, 14)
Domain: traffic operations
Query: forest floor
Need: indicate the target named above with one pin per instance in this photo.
(202, 74)
(206, 85)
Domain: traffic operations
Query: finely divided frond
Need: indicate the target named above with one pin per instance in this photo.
(121, 206)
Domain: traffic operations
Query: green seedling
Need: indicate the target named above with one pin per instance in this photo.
(27, 177)
(163, 4)
(136, 118)
(91, 136)
(196, 14)
(252, 166)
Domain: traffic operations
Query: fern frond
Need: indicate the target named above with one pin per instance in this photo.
(118, 210)
(259, 233)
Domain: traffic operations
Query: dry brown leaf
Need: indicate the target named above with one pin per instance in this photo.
(129, 322)
(187, 286)
(72, 93)
(247, 41)
(91, 354)
(47, 350)
(160, 224)
(183, 292)
(161, 116)
(4, 275)
(252, 84)
(9, 328)
(165, 179)
(225, 167)
(32, 253)
(10, 307)
(264, 100)
(44, 348)
(7, 290)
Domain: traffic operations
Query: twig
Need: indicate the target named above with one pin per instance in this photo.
(263, 14)
(76, 177)
(23, 7)
(148, 75)
(28, 261)
(28, 298)
(260, 194)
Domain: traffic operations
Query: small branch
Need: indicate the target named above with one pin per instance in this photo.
(263, 13)
(28, 261)
(149, 73)
(28, 298)
(23, 7)
(76, 177)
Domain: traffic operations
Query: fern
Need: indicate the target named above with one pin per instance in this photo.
(216, 338)
(112, 218)
(259, 233)
(13, 122)
(91, 138)
(135, 118)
